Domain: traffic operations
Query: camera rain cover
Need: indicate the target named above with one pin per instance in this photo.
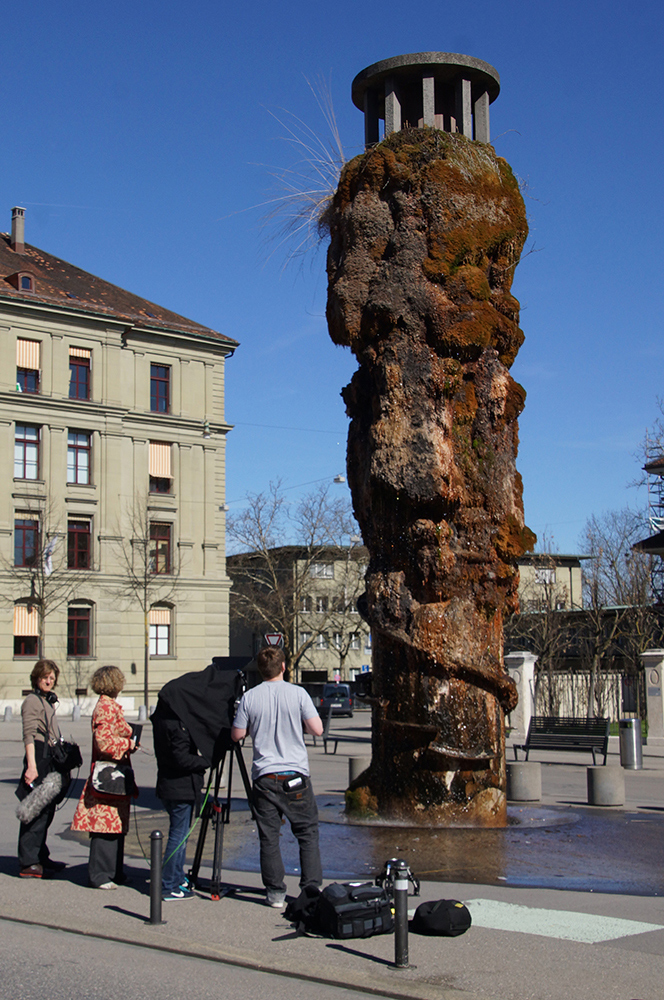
(204, 701)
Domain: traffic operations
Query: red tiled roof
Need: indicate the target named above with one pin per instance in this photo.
(58, 283)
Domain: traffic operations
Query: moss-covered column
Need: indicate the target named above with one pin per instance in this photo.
(426, 229)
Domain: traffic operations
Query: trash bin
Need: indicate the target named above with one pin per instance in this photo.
(631, 752)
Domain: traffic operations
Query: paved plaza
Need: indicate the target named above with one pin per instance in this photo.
(566, 902)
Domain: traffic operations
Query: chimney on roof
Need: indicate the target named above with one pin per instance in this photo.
(18, 230)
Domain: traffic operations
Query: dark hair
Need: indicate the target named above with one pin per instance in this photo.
(108, 680)
(43, 668)
(270, 661)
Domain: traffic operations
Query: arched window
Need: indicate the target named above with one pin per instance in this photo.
(160, 620)
(26, 629)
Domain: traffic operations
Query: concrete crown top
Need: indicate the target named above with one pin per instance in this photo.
(444, 66)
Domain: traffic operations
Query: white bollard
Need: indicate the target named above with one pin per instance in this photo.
(606, 785)
(524, 781)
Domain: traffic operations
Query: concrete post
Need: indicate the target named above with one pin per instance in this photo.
(606, 785)
(463, 103)
(521, 667)
(355, 767)
(653, 664)
(524, 781)
(428, 101)
(8, 713)
(392, 107)
(481, 118)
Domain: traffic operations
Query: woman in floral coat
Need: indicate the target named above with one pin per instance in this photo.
(106, 817)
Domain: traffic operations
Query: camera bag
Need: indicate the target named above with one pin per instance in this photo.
(442, 917)
(354, 910)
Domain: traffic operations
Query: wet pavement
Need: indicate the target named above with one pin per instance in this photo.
(557, 848)
(561, 843)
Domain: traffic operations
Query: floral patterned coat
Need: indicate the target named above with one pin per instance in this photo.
(111, 737)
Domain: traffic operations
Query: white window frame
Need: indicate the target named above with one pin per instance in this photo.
(160, 640)
(322, 570)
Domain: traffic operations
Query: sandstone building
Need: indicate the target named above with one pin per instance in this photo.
(112, 483)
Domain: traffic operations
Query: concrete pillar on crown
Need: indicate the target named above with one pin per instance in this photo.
(653, 664)
(521, 668)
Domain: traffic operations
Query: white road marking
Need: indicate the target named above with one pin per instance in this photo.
(567, 925)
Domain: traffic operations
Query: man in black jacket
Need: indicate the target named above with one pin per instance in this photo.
(179, 782)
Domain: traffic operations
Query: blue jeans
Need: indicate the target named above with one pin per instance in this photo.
(271, 802)
(179, 814)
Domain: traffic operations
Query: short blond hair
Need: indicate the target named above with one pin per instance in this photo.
(108, 680)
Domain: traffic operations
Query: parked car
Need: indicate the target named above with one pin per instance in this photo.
(338, 698)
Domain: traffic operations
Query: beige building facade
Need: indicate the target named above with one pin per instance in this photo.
(329, 640)
(112, 480)
(551, 581)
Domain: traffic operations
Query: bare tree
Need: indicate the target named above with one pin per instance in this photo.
(620, 621)
(279, 549)
(42, 574)
(543, 627)
(150, 569)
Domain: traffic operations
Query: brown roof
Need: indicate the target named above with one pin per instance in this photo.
(58, 283)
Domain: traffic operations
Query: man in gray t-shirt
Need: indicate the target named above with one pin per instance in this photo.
(275, 713)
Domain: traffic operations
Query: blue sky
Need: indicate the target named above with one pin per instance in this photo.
(140, 136)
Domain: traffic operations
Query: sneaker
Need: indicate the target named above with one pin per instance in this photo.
(105, 885)
(276, 898)
(179, 893)
(32, 871)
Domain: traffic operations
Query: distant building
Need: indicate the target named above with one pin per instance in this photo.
(550, 580)
(114, 429)
(328, 637)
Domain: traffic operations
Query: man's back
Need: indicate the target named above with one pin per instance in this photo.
(274, 712)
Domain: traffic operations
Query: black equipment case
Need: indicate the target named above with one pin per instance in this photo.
(354, 910)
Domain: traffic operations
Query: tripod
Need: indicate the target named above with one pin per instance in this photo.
(218, 813)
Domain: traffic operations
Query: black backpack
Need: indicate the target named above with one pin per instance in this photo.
(444, 917)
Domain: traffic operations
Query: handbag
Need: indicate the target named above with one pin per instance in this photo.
(111, 778)
(66, 756)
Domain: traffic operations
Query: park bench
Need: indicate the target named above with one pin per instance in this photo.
(552, 733)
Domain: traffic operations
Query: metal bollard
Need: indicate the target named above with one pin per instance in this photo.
(156, 849)
(401, 873)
